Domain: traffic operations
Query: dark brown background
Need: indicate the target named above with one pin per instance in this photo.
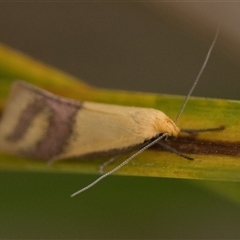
(132, 46)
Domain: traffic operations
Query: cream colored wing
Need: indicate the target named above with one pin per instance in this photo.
(39, 124)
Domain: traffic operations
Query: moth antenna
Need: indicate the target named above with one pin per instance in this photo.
(120, 165)
(198, 76)
(148, 145)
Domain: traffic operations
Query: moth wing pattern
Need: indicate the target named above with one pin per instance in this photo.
(39, 124)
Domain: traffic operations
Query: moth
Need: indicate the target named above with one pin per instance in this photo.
(38, 124)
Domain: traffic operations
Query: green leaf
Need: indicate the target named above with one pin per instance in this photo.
(216, 154)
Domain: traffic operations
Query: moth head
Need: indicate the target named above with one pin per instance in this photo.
(152, 123)
(167, 125)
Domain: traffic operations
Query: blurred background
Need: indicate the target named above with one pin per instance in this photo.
(151, 47)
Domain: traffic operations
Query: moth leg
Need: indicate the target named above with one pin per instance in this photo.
(195, 131)
(105, 164)
(173, 150)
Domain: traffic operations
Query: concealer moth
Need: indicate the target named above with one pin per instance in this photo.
(38, 124)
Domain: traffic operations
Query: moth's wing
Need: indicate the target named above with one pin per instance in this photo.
(103, 128)
(24, 120)
(39, 124)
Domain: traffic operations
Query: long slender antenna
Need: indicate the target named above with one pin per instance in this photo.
(120, 165)
(198, 76)
(148, 145)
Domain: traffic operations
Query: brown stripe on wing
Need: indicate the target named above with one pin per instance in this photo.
(61, 122)
(27, 116)
(60, 114)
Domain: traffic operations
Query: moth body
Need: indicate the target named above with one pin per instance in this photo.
(39, 124)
